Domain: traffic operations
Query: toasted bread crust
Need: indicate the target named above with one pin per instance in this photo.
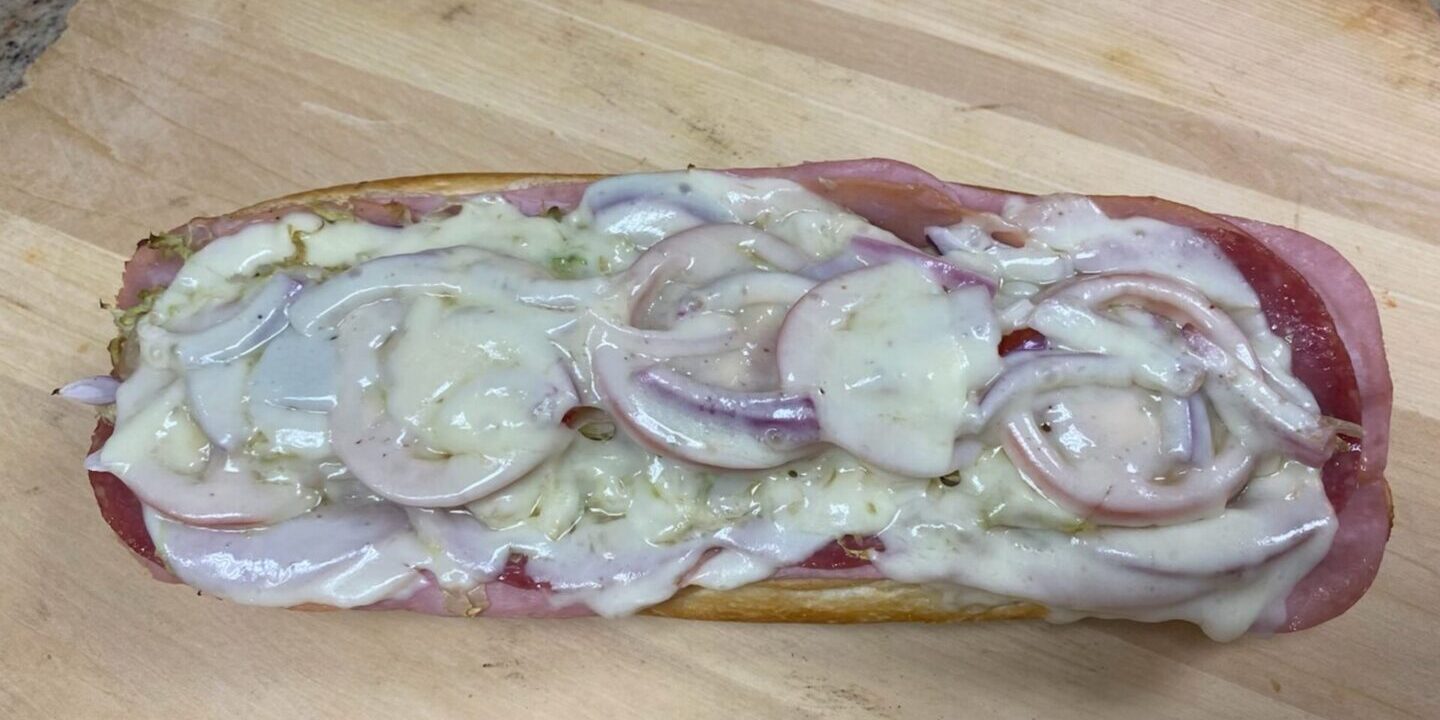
(820, 600)
(447, 184)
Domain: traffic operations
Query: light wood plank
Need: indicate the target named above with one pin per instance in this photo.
(1321, 115)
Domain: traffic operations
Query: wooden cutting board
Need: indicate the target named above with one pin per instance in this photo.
(1324, 116)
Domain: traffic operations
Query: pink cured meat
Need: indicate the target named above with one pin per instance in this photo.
(122, 511)
(1354, 559)
(540, 199)
(1348, 300)
(147, 268)
(892, 195)
(504, 600)
(904, 199)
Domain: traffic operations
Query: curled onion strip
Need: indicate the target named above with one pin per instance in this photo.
(258, 318)
(1177, 429)
(1202, 440)
(1132, 500)
(1051, 371)
(1310, 437)
(671, 413)
(700, 334)
(1168, 298)
(229, 493)
(620, 190)
(381, 451)
(697, 257)
(766, 410)
(456, 271)
(866, 252)
(752, 288)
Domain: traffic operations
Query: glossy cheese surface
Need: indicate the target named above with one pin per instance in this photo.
(699, 378)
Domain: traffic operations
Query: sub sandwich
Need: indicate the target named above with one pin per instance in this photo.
(834, 392)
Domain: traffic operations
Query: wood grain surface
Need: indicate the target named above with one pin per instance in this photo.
(1320, 115)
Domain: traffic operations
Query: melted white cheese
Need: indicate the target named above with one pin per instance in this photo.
(894, 365)
(1219, 573)
(882, 355)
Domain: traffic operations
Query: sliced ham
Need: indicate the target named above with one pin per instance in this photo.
(891, 195)
(149, 267)
(1367, 514)
(122, 510)
(1357, 320)
(846, 553)
(1321, 306)
(540, 199)
(505, 600)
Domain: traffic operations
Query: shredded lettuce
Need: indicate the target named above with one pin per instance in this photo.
(126, 319)
(568, 267)
(599, 430)
(332, 213)
(117, 352)
(297, 239)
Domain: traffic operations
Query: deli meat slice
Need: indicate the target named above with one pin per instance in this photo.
(1367, 515)
(1311, 297)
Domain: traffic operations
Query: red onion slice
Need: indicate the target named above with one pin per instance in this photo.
(1177, 428)
(750, 288)
(868, 252)
(883, 354)
(215, 395)
(98, 390)
(681, 417)
(1123, 498)
(434, 271)
(260, 316)
(1156, 364)
(457, 271)
(1211, 336)
(772, 409)
(1203, 439)
(228, 492)
(1166, 297)
(1026, 376)
(347, 554)
(695, 335)
(1305, 434)
(1133, 499)
(672, 189)
(380, 451)
(697, 257)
